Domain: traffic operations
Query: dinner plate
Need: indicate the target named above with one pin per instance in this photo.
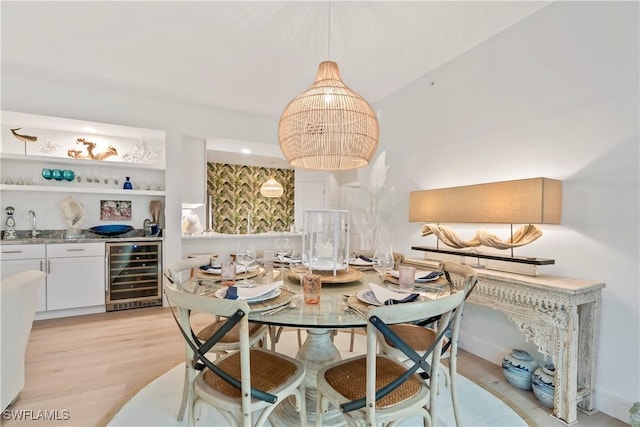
(359, 262)
(367, 296)
(221, 293)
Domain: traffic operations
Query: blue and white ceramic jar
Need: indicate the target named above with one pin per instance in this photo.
(518, 366)
(543, 382)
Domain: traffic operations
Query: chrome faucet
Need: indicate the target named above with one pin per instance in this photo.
(248, 222)
(34, 229)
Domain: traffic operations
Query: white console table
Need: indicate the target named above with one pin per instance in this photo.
(560, 315)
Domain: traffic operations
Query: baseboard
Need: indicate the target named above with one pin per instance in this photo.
(606, 402)
(486, 350)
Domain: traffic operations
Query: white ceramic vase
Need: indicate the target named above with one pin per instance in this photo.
(543, 383)
(518, 366)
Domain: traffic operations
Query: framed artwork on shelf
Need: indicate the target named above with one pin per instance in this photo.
(115, 210)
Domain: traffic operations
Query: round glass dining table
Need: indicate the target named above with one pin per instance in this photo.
(336, 310)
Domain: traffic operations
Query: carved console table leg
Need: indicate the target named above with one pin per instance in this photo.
(560, 315)
(587, 343)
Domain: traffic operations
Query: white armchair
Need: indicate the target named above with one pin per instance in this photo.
(19, 297)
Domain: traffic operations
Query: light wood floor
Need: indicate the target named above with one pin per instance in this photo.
(91, 365)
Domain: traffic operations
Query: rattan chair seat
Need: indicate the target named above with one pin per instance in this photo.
(233, 336)
(417, 337)
(268, 372)
(349, 379)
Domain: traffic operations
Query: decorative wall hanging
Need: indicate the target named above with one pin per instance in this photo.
(115, 210)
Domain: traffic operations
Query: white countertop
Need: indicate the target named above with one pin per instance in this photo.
(212, 235)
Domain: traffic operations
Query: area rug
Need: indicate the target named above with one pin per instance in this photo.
(157, 404)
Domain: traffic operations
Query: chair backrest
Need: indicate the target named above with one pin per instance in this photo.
(236, 313)
(175, 271)
(461, 277)
(19, 296)
(377, 320)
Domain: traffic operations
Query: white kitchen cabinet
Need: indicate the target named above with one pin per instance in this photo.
(75, 275)
(16, 259)
(194, 172)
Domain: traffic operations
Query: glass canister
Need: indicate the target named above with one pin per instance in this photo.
(325, 239)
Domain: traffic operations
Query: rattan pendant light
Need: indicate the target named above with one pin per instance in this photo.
(271, 188)
(328, 126)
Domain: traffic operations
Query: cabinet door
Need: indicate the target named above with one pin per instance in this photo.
(75, 282)
(11, 267)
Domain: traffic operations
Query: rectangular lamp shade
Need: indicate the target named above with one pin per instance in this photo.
(522, 201)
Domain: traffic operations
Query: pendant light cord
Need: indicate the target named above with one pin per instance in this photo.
(329, 32)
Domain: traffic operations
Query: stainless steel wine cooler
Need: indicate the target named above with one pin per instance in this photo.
(134, 275)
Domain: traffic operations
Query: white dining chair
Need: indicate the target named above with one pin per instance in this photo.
(176, 273)
(420, 337)
(242, 384)
(376, 389)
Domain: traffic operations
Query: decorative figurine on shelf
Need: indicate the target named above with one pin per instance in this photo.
(24, 138)
(77, 154)
(10, 231)
(127, 185)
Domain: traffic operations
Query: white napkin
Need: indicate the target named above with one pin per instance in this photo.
(384, 294)
(255, 291)
(420, 276)
(216, 269)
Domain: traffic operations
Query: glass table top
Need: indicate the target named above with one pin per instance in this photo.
(289, 308)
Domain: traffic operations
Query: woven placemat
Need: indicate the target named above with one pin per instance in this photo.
(327, 277)
(354, 302)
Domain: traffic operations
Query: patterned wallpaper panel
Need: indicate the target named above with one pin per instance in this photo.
(236, 192)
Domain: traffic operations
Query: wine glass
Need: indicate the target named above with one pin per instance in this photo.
(246, 255)
(301, 268)
(282, 248)
(383, 260)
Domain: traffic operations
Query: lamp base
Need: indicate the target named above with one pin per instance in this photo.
(512, 264)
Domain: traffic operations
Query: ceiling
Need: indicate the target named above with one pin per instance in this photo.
(251, 57)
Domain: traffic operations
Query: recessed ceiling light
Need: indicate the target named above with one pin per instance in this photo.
(89, 129)
(245, 151)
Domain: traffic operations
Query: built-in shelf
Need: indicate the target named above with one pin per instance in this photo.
(85, 190)
(76, 162)
(505, 258)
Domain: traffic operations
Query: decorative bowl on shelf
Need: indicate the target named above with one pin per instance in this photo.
(110, 230)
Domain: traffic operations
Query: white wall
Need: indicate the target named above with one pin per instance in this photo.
(557, 96)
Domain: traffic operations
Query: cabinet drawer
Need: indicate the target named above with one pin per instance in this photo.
(66, 250)
(22, 251)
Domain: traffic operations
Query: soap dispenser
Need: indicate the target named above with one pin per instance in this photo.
(10, 230)
(127, 184)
